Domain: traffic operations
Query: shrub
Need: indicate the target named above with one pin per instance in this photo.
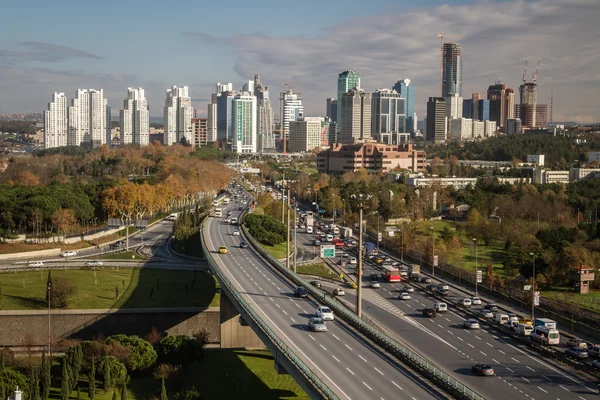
(118, 370)
(143, 354)
(11, 379)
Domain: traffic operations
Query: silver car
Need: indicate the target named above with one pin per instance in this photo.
(317, 325)
(577, 352)
(471, 324)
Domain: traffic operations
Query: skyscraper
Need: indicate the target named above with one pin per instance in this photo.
(225, 116)
(309, 133)
(290, 109)
(89, 119)
(264, 117)
(454, 106)
(528, 104)
(211, 124)
(436, 120)
(178, 114)
(355, 116)
(408, 92)
(347, 80)
(502, 103)
(483, 110)
(387, 113)
(331, 109)
(56, 122)
(135, 118)
(452, 73)
(244, 123)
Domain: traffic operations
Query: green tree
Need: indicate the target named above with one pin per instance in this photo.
(65, 388)
(36, 386)
(163, 390)
(118, 370)
(78, 393)
(124, 392)
(114, 397)
(106, 381)
(11, 379)
(45, 378)
(143, 354)
(92, 380)
(2, 391)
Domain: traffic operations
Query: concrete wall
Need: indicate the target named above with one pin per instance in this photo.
(87, 324)
(234, 333)
(31, 254)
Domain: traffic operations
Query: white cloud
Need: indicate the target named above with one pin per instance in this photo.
(496, 37)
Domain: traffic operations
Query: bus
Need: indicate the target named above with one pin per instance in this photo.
(218, 212)
(226, 200)
(391, 274)
(545, 336)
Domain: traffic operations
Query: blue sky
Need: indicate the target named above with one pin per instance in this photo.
(63, 45)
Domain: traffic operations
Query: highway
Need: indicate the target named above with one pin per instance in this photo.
(519, 372)
(349, 365)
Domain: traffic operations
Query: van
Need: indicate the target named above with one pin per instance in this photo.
(233, 221)
(524, 329)
(545, 336)
(329, 238)
(309, 229)
(501, 318)
(440, 307)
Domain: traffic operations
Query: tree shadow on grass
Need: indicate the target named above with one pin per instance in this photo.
(27, 303)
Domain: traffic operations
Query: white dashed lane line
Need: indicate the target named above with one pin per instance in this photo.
(564, 388)
(395, 384)
(335, 358)
(515, 360)
(349, 370)
(367, 386)
(525, 379)
(530, 368)
(542, 389)
(546, 378)
(378, 370)
(510, 370)
(471, 345)
(323, 347)
(362, 358)
(350, 348)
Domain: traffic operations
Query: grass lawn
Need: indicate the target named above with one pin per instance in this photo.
(590, 301)
(277, 251)
(26, 290)
(318, 269)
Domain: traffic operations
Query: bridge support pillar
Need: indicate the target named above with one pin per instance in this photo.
(235, 332)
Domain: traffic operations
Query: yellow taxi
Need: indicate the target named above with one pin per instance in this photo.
(223, 250)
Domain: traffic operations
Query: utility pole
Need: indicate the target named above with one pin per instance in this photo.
(127, 221)
(287, 246)
(402, 243)
(360, 261)
(295, 234)
(378, 233)
(476, 270)
(533, 290)
(283, 199)
(49, 289)
(432, 251)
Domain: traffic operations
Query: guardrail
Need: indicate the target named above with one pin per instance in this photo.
(408, 355)
(281, 346)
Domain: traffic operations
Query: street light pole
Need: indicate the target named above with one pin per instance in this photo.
(283, 199)
(378, 231)
(287, 243)
(533, 290)
(476, 271)
(360, 258)
(402, 244)
(49, 289)
(295, 234)
(432, 251)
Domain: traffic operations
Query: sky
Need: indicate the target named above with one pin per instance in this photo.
(60, 46)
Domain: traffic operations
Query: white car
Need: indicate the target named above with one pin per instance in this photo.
(353, 260)
(236, 233)
(339, 292)
(471, 324)
(408, 289)
(317, 325)
(69, 253)
(35, 264)
(404, 296)
(476, 301)
(374, 285)
(94, 264)
(465, 302)
(324, 313)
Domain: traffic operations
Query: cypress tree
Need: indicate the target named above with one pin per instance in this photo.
(92, 381)
(2, 391)
(65, 388)
(36, 387)
(30, 382)
(107, 381)
(124, 391)
(114, 395)
(163, 390)
(45, 378)
(76, 366)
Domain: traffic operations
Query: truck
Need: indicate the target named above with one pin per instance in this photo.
(414, 269)
(346, 232)
(309, 220)
(545, 322)
(371, 249)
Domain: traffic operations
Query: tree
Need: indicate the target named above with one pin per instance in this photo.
(62, 290)
(65, 388)
(63, 220)
(106, 381)
(11, 379)
(489, 275)
(118, 370)
(45, 378)
(124, 391)
(163, 390)
(143, 354)
(92, 380)
(78, 393)
(114, 396)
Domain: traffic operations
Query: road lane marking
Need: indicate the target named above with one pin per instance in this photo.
(496, 361)
(447, 319)
(350, 371)
(362, 358)
(378, 370)
(542, 390)
(531, 369)
(335, 358)
(367, 386)
(440, 326)
(284, 312)
(278, 306)
(395, 384)
(516, 360)
(471, 345)
(459, 338)
(526, 380)
(349, 347)
(323, 347)
(335, 336)
(510, 370)
(501, 352)
(564, 388)
(489, 344)
(485, 355)
(311, 336)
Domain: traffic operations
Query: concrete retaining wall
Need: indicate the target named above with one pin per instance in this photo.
(31, 254)
(15, 326)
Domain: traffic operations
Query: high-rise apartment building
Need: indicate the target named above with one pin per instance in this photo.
(245, 139)
(478, 129)
(56, 121)
(452, 73)
(178, 114)
(200, 132)
(89, 119)
(264, 117)
(309, 133)
(387, 113)
(408, 92)
(290, 109)
(211, 123)
(483, 110)
(225, 116)
(347, 80)
(489, 128)
(461, 129)
(502, 103)
(135, 118)
(436, 120)
(355, 116)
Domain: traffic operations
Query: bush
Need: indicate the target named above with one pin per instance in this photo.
(182, 350)
(91, 350)
(63, 292)
(118, 370)
(143, 354)
(11, 379)
(265, 229)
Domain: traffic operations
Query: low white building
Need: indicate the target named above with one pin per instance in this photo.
(578, 174)
(537, 159)
(594, 156)
(458, 183)
(541, 176)
(478, 129)
(462, 128)
(489, 128)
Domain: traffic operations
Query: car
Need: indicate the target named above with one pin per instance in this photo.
(471, 324)
(324, 313)
(300, 291)
(35, 264)
(353, 260)
(223, 250)
(339, 292)
(408, 289)
(430, 288)
(476, 301)
(443, 292)
(236, 233)
(442, 286)
(429, 312)
(492, 307)
(316, 284)
(243, 245)
(577, 352)
(69, 253)
(596, 364)
(94, 264)
(426, 279)
(485, 313)
(482, 370)
(404, 296)
(317, 325)
(576, 342)
(465, 302)
(374, 285)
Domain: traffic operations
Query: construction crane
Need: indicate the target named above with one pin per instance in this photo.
(288, 86)
(525, 72)
(441, 36)
(537, 69)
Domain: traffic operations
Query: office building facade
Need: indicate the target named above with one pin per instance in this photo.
(331, 109)
(244, 116)
(290, 109)
(387, 110)
(177, 114)
(478, 129)
(461, 129)
(407, 91)
(134, 118)
(355, 116)
(452, 74)
(309, 133)
(56, 122)
(347, 80)
(513, 126)
(436, 120)
(454, 107)
(264, 117)
(200, 132)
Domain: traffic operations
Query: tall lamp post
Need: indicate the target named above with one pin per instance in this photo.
(402, 243)
(476, 270)
(295, 233)
(287, 243)
(49, 290)
(378, 233)
(361, 199)
(432, 251)
(533, 289)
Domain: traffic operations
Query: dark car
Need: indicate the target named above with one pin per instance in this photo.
(415, 277)
(577, 352)
(482, 370)
(300, 292)
(243, 245)
(431, 288)
(443, 292)
(491, 307)
(429, 312)
(425, 279)
(316, 284)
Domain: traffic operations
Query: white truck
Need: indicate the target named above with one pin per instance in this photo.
(346, 232)
(310, 221)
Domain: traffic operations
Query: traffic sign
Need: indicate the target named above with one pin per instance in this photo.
(527, 287)
(379, 236)
(479, 277)
(435, 261)
(327, 251)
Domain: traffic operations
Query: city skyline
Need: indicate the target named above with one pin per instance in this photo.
(30, 70)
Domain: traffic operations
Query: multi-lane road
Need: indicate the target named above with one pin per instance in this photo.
(349, 365)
